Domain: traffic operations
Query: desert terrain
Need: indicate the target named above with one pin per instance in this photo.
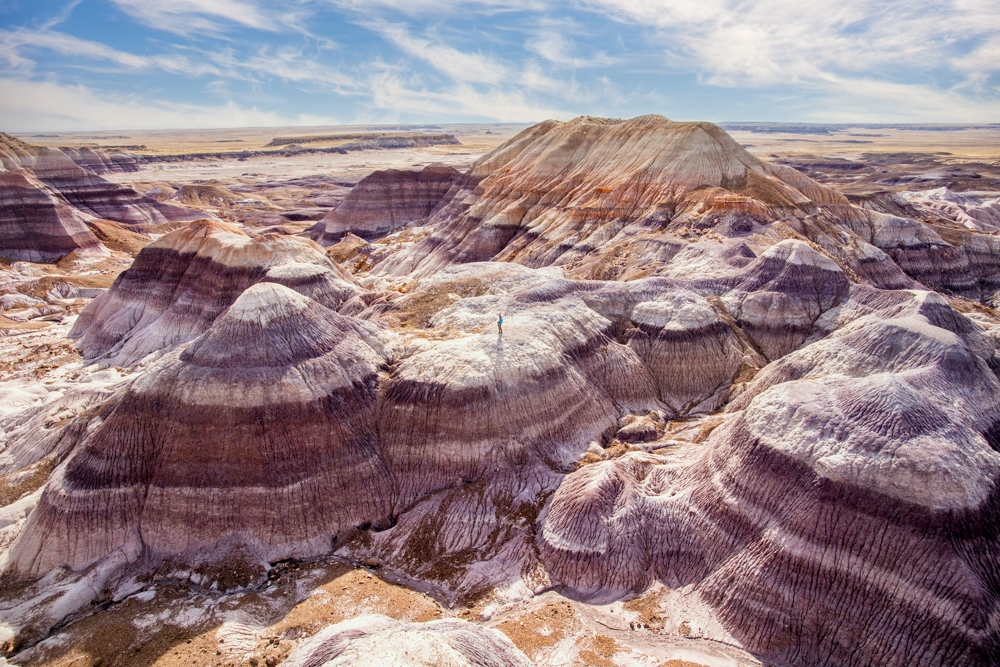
(255, 409)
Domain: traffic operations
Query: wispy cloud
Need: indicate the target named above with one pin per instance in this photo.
(550, 42)
(13, 43)
(63, 14)
(189, 16)
(457, 65)
(842, 57)
(777, 41)
(392, 91)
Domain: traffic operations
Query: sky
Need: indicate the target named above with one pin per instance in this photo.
(134, 64)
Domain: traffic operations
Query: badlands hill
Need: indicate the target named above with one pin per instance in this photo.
(49, 202)
(717, 376)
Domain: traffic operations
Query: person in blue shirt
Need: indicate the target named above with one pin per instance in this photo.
(500, 323)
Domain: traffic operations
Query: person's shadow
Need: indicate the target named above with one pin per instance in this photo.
(498, 363)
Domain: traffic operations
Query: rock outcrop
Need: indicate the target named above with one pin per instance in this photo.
(273, 358)
(386, 200)
(47, 201)
(203, 195)
(627, 199)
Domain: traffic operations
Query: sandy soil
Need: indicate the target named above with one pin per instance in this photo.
(170, 625)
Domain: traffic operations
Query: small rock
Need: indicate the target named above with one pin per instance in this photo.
(640, 429)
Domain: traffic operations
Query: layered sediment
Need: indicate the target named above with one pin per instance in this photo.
(715, 376)
(48, 200)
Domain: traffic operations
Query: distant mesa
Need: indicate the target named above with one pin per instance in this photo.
(48, 203)
(369, 140)
(104, 160)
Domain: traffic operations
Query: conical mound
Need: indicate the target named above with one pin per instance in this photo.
(264, 428)
(562, 193)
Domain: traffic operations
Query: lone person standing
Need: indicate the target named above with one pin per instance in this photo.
(500, 323)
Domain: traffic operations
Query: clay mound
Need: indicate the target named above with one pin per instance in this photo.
(36, 224)
(379, 640)
(622, 200)
(558, 192)
(276, 366)
(204, 195)
(848, 491)
(974, 212)
(211, 424)
(780, 299)
(48, 200)
(181, 282)
(386, 200)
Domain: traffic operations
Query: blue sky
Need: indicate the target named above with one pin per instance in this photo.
(108, 64)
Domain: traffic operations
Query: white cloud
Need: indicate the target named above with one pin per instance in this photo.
(62, 15)
(853, 58)
(440, 7)
(983, 59)
(866, 100)
(778, 41)
(286, 63)
(28, 106)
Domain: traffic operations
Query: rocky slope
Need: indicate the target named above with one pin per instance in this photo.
(101, 162)
(773, 415)
(580, 194)
(47, 202)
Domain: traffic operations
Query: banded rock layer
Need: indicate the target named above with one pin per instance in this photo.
(386, 200)
(101, 162)
(628, 199)
(47, 201)
(211, 423)
(278, 370)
